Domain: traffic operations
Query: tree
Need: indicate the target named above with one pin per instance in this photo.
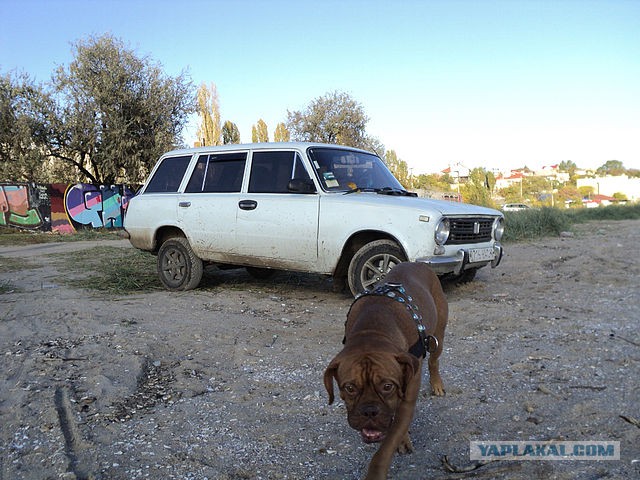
(511, 194)
(334, 118)
(26, 113)
(477, 190)
(433, 181)
(568, 166)
(570, 196)
(259, 132)
(230, 133)
(374, 145)
(116, 113)
(398, 167)
(209, 112)
(21, 103)
(611, 167)
(620, 197)
(585, 191)
(533, 185)
(281, 134)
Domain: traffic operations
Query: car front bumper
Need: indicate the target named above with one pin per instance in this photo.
(461, 261)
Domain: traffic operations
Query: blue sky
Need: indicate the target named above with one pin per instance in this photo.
(495, 84)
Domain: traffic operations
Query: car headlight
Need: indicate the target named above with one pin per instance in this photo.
(498, 228)
(442, 231)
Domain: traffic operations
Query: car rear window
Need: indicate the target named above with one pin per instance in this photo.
(220, 172)
(168, 175)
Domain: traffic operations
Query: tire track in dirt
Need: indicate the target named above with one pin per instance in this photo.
(77, 449)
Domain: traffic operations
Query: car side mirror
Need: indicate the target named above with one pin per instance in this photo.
(301, 185)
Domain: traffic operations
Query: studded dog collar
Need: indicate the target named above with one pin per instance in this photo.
(396, 291)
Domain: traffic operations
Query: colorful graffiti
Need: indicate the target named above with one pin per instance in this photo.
(63, 208)
(24, 206)
(97, 207)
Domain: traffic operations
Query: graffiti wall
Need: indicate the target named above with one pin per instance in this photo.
(24, 206)
(63, 208)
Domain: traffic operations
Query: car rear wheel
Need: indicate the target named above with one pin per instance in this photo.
(371, 263)
(178, 266)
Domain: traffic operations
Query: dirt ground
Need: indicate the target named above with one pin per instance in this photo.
(225, 382)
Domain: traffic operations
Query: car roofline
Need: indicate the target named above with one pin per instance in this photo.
(260, 146)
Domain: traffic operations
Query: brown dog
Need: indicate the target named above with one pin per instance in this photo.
(387, 334)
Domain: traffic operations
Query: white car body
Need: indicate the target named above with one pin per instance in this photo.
(316, 230)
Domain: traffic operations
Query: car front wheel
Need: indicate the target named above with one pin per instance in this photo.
(178, 266)
(371, 263)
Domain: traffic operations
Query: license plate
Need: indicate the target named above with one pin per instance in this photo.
(481, 255)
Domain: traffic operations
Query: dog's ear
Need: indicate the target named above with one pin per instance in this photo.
(329, 375)
(410, 365)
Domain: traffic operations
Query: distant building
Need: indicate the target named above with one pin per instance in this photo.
(598, 200)
(610, 185)
(508, 180)
(552, 172)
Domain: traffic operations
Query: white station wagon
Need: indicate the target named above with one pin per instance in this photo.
(303, 207)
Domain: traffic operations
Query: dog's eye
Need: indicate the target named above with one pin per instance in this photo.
(388, 387)
(349, 388)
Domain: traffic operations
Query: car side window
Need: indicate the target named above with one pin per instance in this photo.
(168, 175)
(196, 182)
(218, 173)
(271, 171)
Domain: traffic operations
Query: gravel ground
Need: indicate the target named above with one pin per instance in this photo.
(225, 382)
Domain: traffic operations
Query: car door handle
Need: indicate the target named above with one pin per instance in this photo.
(248, 204)
(184, 204)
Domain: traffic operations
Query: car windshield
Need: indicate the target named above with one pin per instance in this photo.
(342, 170)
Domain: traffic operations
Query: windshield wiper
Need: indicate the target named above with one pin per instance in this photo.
(358, 189)
(396, 191)
(384, 191)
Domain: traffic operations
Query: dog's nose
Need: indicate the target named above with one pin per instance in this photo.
(369, 410)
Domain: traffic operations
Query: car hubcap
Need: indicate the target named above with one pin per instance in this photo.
(375, 269)
(174, 265)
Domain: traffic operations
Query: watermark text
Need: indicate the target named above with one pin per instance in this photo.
(544, 450)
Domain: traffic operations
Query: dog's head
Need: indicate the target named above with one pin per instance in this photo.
(372, 386)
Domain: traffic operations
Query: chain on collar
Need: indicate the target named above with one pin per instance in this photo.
(396, 291)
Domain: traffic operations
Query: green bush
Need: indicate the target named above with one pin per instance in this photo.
(611, 212)
(536, 223)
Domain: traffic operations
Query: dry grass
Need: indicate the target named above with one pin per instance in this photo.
(114, 270)
(12, 236)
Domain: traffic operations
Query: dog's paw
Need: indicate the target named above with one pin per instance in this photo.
(376, 474)
(405, 445)
(437, 388)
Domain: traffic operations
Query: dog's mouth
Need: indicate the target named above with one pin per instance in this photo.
(371, 436)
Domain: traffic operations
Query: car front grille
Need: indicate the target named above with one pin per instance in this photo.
(470, 230)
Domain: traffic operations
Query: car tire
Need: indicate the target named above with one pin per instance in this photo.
(178, 266)
(371, 263)
(261, 273)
